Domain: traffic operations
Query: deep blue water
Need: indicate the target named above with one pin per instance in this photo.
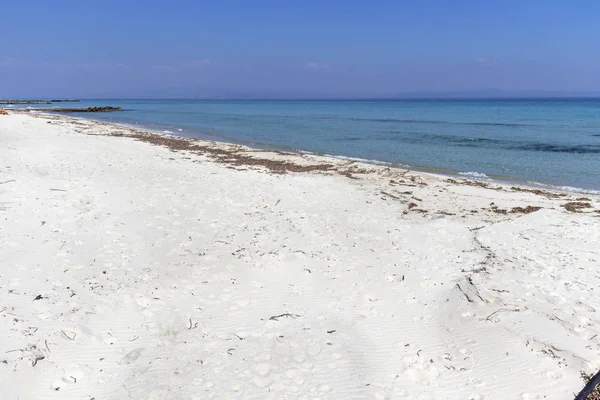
(554, 142)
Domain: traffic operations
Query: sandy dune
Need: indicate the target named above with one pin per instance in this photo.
(131, 270)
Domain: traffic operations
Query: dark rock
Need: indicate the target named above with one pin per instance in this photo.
(75, 110)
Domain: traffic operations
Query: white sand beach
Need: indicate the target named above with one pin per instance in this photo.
(142, 266)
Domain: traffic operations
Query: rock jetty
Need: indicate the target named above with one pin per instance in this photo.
(75, 110)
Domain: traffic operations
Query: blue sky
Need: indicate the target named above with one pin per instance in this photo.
(184, 48)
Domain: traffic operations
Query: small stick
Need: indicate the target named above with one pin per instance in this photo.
(239, 337)
(36, 359)
(58, 190)
(194, 326)
(276, 317)
(47, 348)
(502, 309)
(391, 195)
(12, 180)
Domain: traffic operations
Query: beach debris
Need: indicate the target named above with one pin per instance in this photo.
(576, 206)
(514, 210)
(38, 297)
(36, 354)
(500, 310)
(469, 290)
(472, 268)
(390, 195)
(72, 337)
(3, 112)
(12, 180)
(194, 326)
(285, 315)
(539, 192)
(525, 210)
(237, 156)
(445, 213)
(473, 183)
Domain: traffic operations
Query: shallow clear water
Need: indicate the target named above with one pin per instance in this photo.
(555, 142)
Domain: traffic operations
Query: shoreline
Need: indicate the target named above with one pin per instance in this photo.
(441, 172)
(142, 265)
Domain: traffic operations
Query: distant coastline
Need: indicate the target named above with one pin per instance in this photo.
(354, 99)
(15, 102)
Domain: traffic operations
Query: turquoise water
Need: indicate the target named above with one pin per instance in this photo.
(551, 142)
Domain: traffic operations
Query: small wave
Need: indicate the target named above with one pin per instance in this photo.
(357, 159)
(474, 175)
(168, 132)
(180, 130)
(565, 188)
(578, 190)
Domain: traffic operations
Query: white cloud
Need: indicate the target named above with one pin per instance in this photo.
(314, 65)
(6, 61)
(196, 63)
(182, 65)
(486, 60)
(164, 68)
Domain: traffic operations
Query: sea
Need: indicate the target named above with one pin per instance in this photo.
(541, 142)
